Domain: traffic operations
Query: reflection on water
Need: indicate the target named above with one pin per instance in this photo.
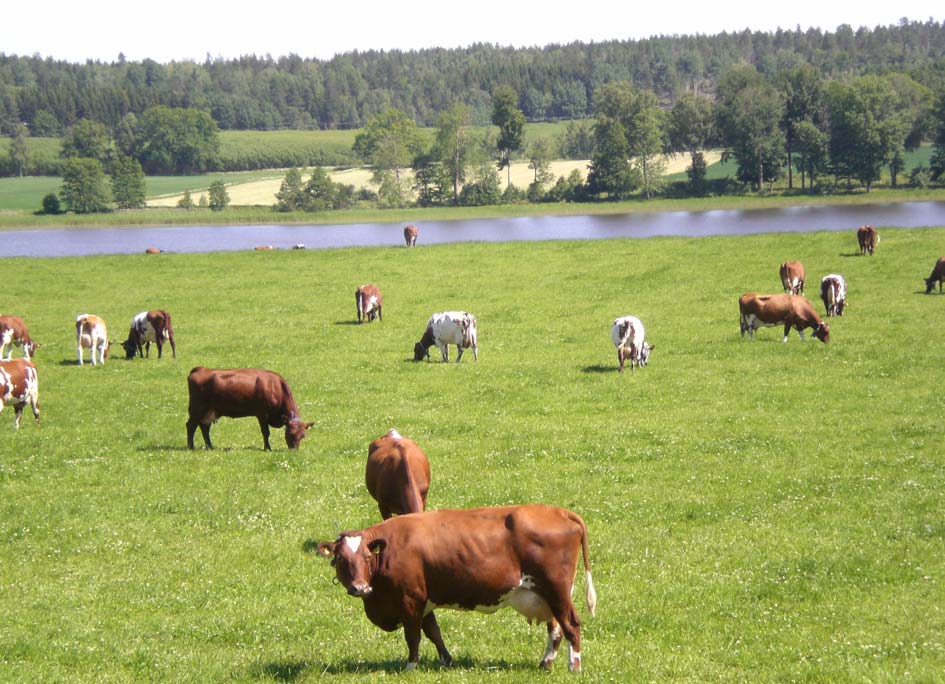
(43, 243)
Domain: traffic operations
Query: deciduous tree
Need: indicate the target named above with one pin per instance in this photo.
(84, 185)
(511, 122)
(128, 189)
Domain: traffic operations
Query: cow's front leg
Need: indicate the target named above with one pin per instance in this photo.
(787, 329)
(412, 628)
(264, 428)
(444, 351)
(17, 414)
(459, 353)
(432, 630)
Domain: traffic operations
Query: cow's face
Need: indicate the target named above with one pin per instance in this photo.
(295, 430)
(419, 352)
(354, 561)
(645, 353)
(822, 332)
(929, 284)
(130, 349)
(31, 347)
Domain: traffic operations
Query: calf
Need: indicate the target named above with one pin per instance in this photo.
(627, 335)
(446, 328)
(369, 300)
(833, 292)
(19, 385)
(481, 559)
(410, 235)
(792, 277)
(147, 327)
(397, 475)
(867, 238)
(13, 331)
(938, 273)
(777, 309)
(239, 393)
(91, 334)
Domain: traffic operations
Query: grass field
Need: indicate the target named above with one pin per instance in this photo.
(758, 511)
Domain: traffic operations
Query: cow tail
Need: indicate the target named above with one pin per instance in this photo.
(414, 502)
(590, 593)
(168, 328)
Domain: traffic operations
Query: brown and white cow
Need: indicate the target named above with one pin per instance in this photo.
(483, 559)
(147, 327)
(153, 250)
(792, 311)
(13, 331)
(397, 475)
(833, 292)
(627, 335)
(410, 235)
(867, 238)
(444, 329)
(938, 274)
(240, 393)
(19, 385)
(793, 276)
(92, 334)
(369, 301)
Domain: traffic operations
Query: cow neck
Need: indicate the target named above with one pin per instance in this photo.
(427, 340)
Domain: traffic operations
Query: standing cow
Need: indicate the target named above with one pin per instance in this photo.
(483, 559)
(147, 327)
(92, 334)
(410, 235)
(240, 393)
(19, 385)
(444, 329)
(627, 334)
(369, 301)
(397, 475)
(13, 331)
(794, 311)
(793, 276)
(833, 292)
(938, 274)
(867, 238)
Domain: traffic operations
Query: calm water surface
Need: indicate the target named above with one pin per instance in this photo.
(51, 243)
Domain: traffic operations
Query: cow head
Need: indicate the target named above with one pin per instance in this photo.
(130, 348)
(645, 354)
(420, 352)
(929, 284)
(30, 346)
(822, 332)
(354, 561)
(294, 432)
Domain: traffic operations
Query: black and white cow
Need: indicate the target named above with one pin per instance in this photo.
(627, 335)
(833, 292)
(444, 329)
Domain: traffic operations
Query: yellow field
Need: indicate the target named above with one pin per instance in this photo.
(263, 192)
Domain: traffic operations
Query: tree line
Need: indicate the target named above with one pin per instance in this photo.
(554, 82)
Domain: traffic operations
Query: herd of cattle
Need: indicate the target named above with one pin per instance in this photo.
(403, 568)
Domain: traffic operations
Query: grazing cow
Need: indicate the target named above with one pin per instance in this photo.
(446, 328)
(833, 292)
(13, 331)
(777, 309)
(938, 273)
(152, 250)
(793, 276)
(480, 559)
(369, 300)
(867, 238)
(263, 248)
(19, 385)
(91, 334)
(627, 335)
(397, 475)
(147, 327)
(240, 393)
(410, 235)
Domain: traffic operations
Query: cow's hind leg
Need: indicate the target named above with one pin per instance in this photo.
(432, 630)
(570, 625)
(554, 640)
(459, 353)
(264, 428)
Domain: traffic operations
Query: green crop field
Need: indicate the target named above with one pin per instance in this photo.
(758, 511)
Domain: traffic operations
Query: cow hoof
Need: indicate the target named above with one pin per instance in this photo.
(545, 665)
(411, 666)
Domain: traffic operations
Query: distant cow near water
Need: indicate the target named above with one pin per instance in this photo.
(410, 235)
(867, 238)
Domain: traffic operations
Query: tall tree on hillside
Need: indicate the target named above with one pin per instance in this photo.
(511, 122)
(691, 128)
(176, 140)
(128, 189)
(609, 172)
(389, 142)
(84, 186)
(454, 144)
(87, 138)
(19, 148)
(803, 90)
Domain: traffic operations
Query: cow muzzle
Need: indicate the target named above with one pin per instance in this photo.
(360, 590)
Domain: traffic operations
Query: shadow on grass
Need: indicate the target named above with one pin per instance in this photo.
(598, 368)
(282, 671)
(350, 666)
(348, 322)
(850, 254)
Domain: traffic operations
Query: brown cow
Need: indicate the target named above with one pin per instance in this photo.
(790, 310)
(938, 273)
(867, 238)
(152, 250)
(263, 248)
(147, 327)
(92, 334)
(410, 235)
(240, 393)
(368, 300)
(19, 385)
(13, 331)
(397, 475)
(792, 277)
(480, 559)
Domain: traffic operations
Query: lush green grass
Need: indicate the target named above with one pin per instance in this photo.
(758, 511)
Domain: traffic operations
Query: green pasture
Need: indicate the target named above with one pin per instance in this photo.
(757, 511)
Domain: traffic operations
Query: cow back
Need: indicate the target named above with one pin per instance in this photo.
(397, 475)
(240, 392)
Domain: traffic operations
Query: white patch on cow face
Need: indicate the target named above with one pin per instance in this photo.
(353, 543)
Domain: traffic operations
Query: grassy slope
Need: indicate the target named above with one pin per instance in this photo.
(758, 511)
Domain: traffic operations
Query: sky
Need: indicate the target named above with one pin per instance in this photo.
(177, 30)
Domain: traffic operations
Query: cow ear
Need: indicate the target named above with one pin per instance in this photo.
(377, 546)
(326, 549)
(308, 425)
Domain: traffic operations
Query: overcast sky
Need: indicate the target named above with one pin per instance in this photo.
(190, 30)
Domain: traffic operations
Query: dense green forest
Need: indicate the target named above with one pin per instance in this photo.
(553, 82)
